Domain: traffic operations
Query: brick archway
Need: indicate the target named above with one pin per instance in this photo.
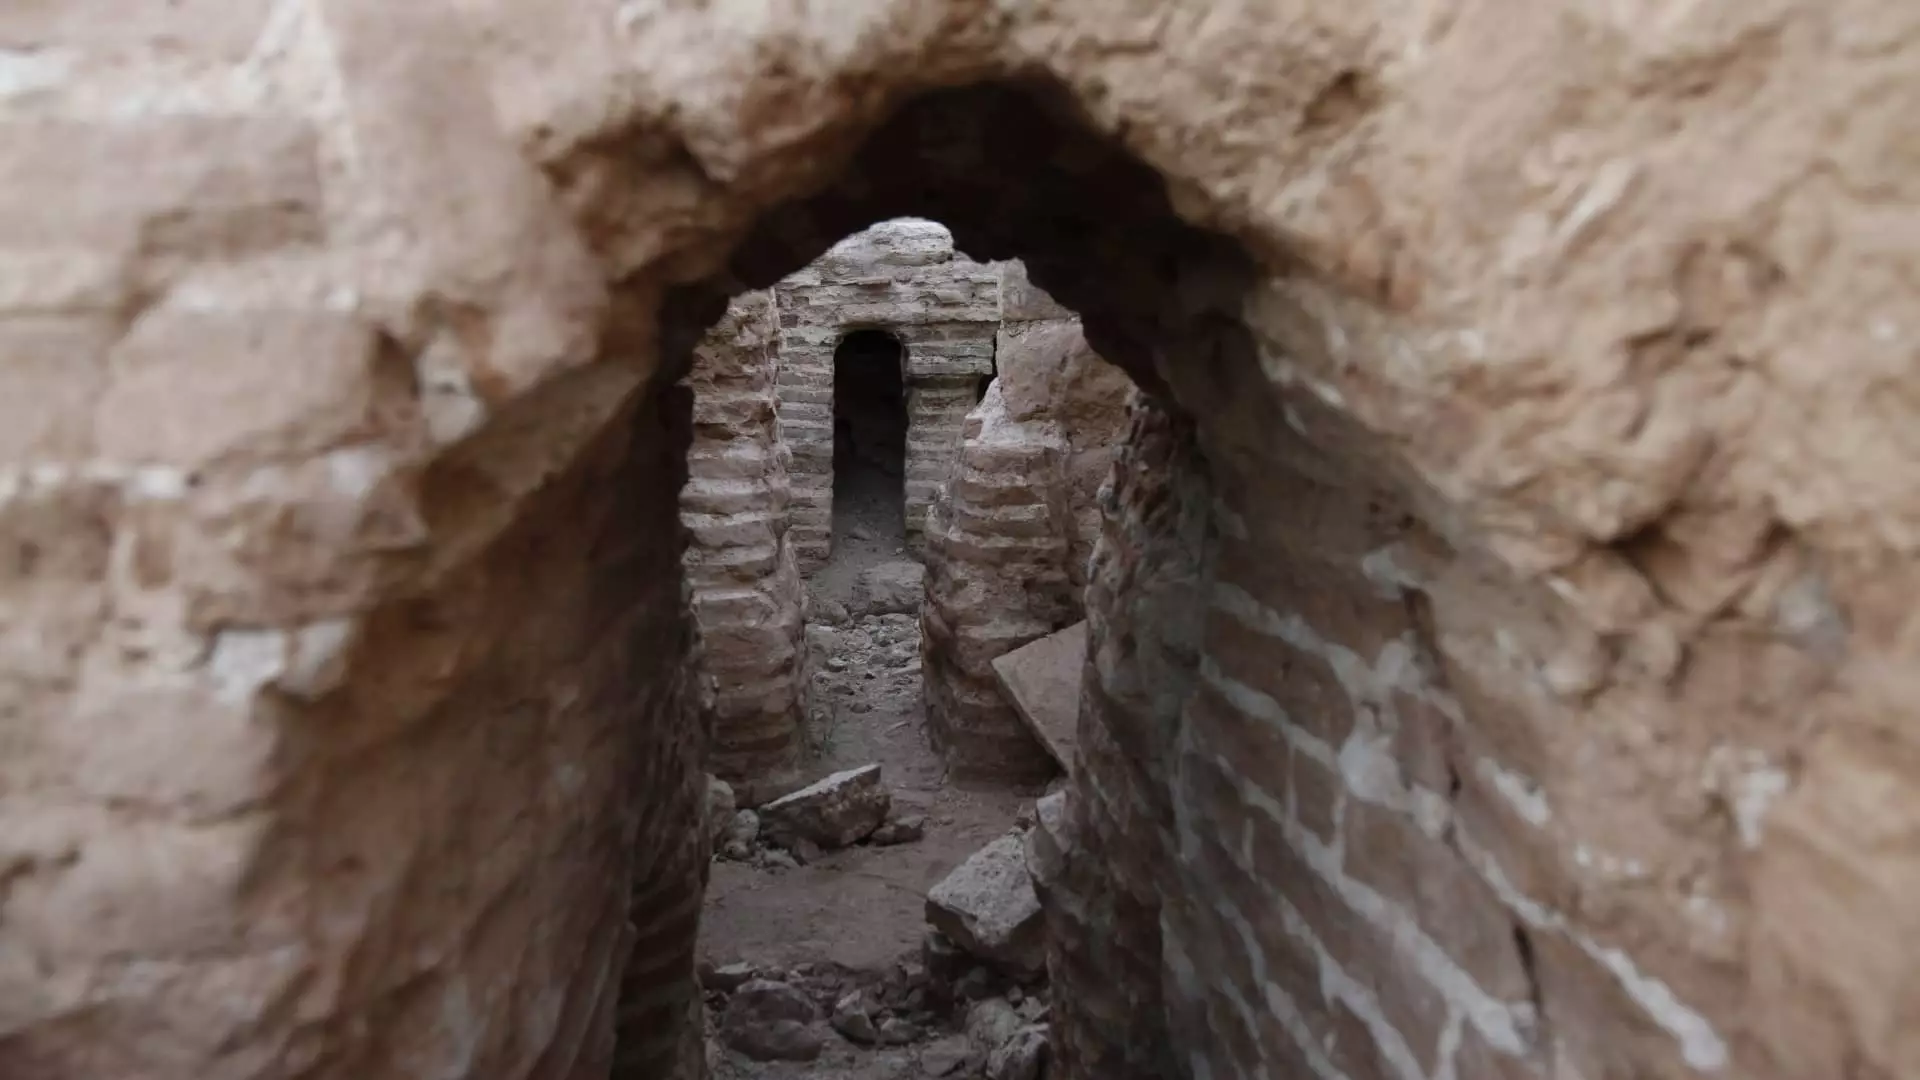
(1495, 648)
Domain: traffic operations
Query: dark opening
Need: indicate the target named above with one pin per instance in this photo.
(869, 436)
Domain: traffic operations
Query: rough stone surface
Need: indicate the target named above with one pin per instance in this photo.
(1009, 535)
(1041, 680)
(948, 1056)
(746, 590)
(720, 813)
(742, 828)
(726, 978)
(990, 1023)
(891, 588)
(1523, 554)
(1022, 1056)
(853, 1018)
(904, 829)
(771, 1021)
(841, 809)
(987, 907)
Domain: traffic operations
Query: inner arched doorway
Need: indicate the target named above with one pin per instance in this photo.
(869, 436)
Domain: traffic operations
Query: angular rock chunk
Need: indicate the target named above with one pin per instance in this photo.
(719, 808)
(946, 1056)
(771, 1021)
(991, 1022)
(853, 1018)
(1051, 842)
(904, 829)
(1023, 1056)
(742, 828)
(725, 978)
(987, 907)
(842, 809)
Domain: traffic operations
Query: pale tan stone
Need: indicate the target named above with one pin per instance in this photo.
(1549, 365)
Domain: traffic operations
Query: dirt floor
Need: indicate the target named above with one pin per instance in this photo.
(857, 911)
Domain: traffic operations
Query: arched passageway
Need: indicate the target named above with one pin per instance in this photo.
(1424, 734)
(869, 434)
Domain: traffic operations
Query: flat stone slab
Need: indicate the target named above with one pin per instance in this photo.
(1041, 679)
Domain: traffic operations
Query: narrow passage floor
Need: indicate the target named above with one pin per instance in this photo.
(854, 919)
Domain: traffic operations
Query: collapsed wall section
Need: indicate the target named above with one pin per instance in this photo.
(745, 586)
(904, 277)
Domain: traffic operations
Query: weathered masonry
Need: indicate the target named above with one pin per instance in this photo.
(904, 278)
(1503, 628)
(745, 584)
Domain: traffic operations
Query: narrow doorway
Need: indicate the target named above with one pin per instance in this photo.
(869, 438)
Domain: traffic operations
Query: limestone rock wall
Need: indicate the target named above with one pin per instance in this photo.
(746, 591)
(1549, 366)
(904, 277)
(1009, 533)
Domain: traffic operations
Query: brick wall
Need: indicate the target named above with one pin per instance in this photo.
(905, 278)
(746, 592)
(1322, 747)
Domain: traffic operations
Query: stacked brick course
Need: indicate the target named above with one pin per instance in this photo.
(746, 592)
(905, 278)
(1010, 531)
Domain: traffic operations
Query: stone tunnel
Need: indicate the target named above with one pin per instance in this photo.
(1500, 630)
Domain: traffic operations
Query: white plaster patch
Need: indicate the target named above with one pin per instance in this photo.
(1279, 1004)
(1700, 1044)
(1503, 1025)
(156, 483)
(1369, 769)
(448, 402)
(1327, 392)
(1754, 794)
(1563, 588)
(23, 71)
(1520, 792)
(1336, 339)
(357, 470)
(317, 660)
(136, 482)
(464, 1028)
(1260, 707)
(1606, 191)
(1397, 668)
(242, 661)
(1707, 914)
(1749, 783)
(1388, 577)
(1606, 865)
(1336, 983)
